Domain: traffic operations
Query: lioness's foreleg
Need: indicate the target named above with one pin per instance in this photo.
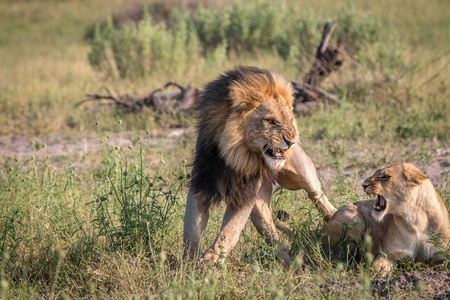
(395, 247)
(195, 221)
(262, 218)
(233, 222)
(299, 173)
(386, 262)
(383, 264)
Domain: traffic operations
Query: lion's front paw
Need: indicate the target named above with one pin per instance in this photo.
(210, 257)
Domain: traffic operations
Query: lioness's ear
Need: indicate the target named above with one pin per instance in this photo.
(413, 175)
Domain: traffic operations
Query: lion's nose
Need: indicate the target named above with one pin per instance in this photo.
(288, 142)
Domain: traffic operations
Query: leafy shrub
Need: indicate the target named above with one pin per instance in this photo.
(135, 49)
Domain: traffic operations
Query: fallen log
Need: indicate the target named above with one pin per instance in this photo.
(306, 97)
(160, 101)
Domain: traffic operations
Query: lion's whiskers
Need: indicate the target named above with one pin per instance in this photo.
(301, 139)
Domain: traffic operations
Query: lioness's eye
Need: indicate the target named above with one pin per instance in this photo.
(270, 121)
(384, 176)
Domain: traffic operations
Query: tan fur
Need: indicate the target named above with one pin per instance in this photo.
(414, 214)
(242, 114)
(241, 146)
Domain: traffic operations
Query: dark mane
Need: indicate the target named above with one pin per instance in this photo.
(212, 179)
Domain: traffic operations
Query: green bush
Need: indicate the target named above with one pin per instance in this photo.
(135, 49)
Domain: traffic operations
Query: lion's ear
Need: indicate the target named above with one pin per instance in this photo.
(413, 175)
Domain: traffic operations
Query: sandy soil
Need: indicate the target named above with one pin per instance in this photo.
(76, 149)
(427, 284)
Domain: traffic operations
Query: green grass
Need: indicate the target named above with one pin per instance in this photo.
(82, 223)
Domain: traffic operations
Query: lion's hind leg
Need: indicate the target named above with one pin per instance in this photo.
(262, 218)
(343, 233)
(195, 221)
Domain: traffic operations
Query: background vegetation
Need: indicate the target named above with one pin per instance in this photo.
(92, 199)
(136, 48)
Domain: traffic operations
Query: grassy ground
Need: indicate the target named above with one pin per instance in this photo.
(74, 180)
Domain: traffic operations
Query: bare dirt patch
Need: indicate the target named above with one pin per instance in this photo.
(76, 148)
(425, 285)
(79, 150)
(428, 284)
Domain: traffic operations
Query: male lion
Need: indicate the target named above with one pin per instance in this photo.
(406, 214)
(247, 138)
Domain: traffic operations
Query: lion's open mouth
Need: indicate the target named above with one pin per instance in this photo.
(381, 203)
(275, 153)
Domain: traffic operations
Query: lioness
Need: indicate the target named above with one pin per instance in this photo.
(405, 215)
(247, 140)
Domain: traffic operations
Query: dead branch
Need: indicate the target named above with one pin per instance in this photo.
(303, 88)
(110, 96)
(326, 35)
(307, 96)
(328, 59)
(185, 98)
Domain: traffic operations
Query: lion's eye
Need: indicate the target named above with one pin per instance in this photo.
(271, 121)
(384, 176)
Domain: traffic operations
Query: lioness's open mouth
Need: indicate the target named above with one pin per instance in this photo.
(275, 153)
(381, 203)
